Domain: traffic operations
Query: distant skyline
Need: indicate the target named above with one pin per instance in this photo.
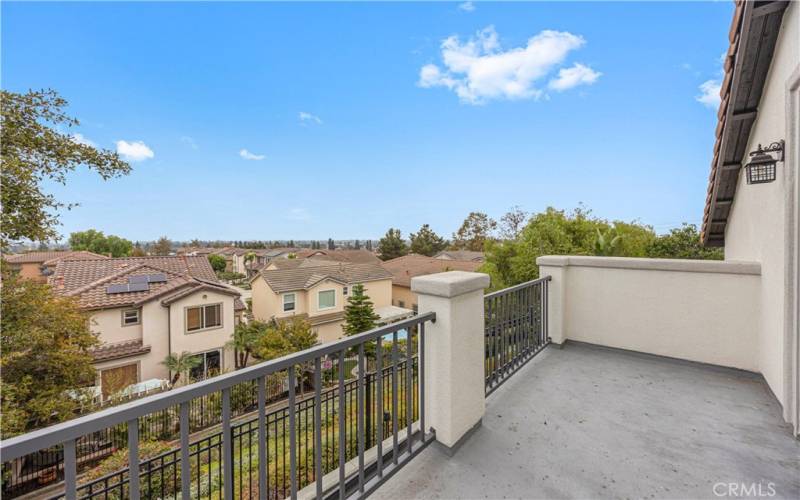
(278, 121)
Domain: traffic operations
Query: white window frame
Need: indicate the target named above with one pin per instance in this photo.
(319, 294)
(202, 318)
(294, 302)
(138, 317)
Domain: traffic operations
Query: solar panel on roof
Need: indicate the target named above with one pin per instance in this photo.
(138, 279)
(138, 287)
(117, 288)
(157, 278)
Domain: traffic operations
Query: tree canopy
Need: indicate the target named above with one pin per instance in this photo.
(217, 262)
(97, 242)
(162, 247)
(392, 245)
(476, 229)
(557, 232)
(46, 343)
(427, 242)
(37, 147)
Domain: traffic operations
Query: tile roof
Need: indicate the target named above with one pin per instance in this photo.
(360, 256)
(753, 34)
(88, 279)
(51, 257)
(461, 255)
(406, 267)
(304, 275)
(117, 350)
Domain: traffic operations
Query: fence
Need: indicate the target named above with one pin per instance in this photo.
(515, 329)
(226, 463)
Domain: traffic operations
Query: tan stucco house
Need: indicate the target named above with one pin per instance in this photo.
(759, 221)
(145, 308)
(38, 266)
(316, 290)
(408, 266)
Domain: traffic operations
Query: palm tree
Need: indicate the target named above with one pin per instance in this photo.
(179, 364)
(244, 342)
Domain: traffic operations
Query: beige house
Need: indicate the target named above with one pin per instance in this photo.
(145, 308)
(408, 266)
(316, 290)
(756, 217)
(38, 266)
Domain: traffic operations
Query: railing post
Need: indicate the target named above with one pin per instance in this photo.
(555, 267)
(454, 353)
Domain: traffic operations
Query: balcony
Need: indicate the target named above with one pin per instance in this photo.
(606, 378)
(593, 422)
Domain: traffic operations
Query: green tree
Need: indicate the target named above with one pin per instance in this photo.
(180, 365)
(46, 343)
(426, 241)
(245, 341)
(683, 243)
(37, 147)
(607, 243)
(476, 229)
(95, 241)
(512, 222)
(162, 247)
(217, 262)
(359, 313)
(392, 245)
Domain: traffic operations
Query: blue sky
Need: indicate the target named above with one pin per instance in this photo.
(414, 112)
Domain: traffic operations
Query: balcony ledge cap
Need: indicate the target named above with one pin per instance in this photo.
(449, 284)
(678, 265)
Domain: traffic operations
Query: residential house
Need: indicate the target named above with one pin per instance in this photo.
(463, 255)
(360, 256)
(755, 217)
(39, 265)
(408, 266)
(144, 308)
(318, 290)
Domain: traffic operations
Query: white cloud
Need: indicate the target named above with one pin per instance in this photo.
(467, 6)
(78, 138)
(298, 214)
(134, 151)
(568, 78)
(308, 117)
(247, 155)
(709, 93)
(189, 141)
(478, 70)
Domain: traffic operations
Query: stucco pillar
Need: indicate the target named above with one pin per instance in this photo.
(454, 353)
(556, 268)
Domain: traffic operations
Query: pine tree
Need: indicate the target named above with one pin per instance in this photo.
(427, 242)
(392, 245)
(359, 314)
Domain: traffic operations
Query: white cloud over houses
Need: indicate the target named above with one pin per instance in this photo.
(569, 78)
(247, 155)
(709, 93)
(467, 6)
(479, 70)
(306, 117)
(134, 151)
(79, 138)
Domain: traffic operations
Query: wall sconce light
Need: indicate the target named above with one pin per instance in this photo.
(761, 168)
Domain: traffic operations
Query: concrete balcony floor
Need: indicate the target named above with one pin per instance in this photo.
(590, 422)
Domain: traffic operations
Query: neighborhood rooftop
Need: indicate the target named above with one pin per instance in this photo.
(406, 267)
(50, 257)
(303, 277)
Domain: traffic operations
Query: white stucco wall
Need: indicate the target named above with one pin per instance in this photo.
(696, 310)
(758, 227)
(108, 324)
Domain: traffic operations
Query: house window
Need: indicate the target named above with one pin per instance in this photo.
(288, 302)
(210, 365)
(327, 299)
(344, 291)
(114, 380)
(131, 317)
(203, 317)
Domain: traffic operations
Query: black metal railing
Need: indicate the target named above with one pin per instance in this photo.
(515, 329)
(320, 442)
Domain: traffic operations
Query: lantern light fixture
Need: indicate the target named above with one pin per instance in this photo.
(762, 166)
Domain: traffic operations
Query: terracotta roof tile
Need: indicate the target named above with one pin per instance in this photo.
(406, 267)
(117, 350)
(304, 276)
